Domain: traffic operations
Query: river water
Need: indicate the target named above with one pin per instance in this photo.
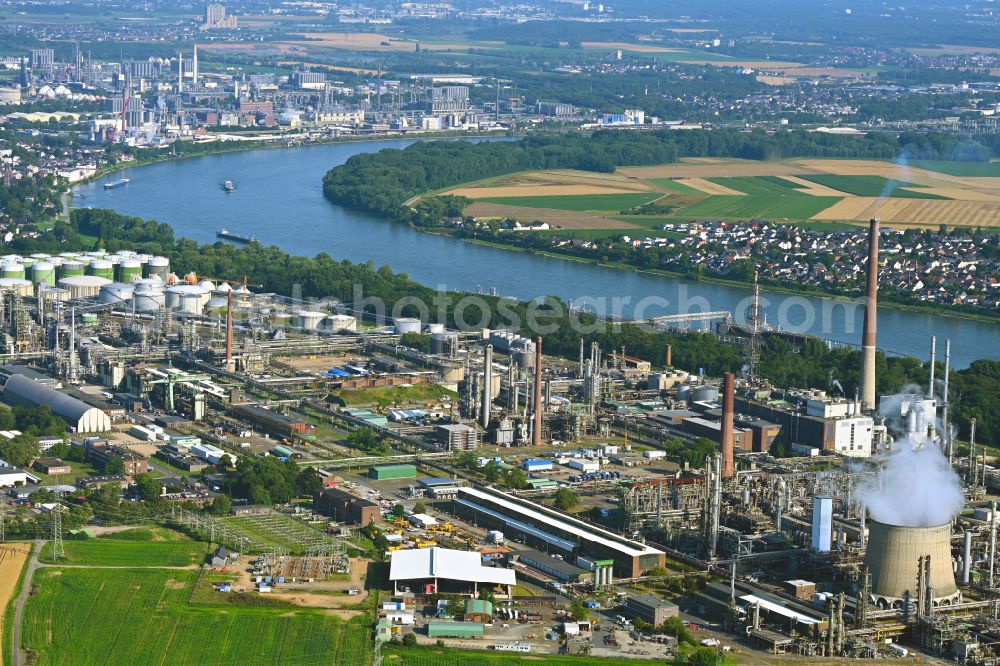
(280, 201)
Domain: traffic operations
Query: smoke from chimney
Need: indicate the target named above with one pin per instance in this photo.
(871, 325)
(726, 431)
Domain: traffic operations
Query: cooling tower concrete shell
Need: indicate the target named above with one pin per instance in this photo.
(893, 558)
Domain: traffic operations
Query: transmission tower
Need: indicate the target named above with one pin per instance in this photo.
(3, 514)
(754, 324)
(58, 549)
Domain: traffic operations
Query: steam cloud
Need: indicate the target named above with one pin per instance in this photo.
(915, 485)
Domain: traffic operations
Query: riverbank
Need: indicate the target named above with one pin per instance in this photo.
(883, 303)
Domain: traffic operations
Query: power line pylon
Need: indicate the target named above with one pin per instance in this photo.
(58, 549)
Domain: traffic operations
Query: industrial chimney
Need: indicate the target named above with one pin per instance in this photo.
(536, 433)
(895, 555)
(487, 396)
(726, 432)
(871, 326)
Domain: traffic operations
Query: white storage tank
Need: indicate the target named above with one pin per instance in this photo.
(435, 328)
(444, 342)
(22, 287)
(191, 303)
(176, 294)
(340, 322)
(309, 320)
(115, 292)
(158, 266)
(705, 394)
(406, 325)
(147, 297)
(83, 286)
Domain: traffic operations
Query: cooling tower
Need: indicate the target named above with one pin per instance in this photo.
(893, 559)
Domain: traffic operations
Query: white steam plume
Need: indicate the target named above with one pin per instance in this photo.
(915, 486)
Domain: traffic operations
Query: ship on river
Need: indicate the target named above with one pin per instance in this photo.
(226, 234)
(229, 186)
(110, 185)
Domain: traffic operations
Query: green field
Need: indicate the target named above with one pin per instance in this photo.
(84, 617)
(964, 169)
(673, 186)
(392, 395)
(580, 202)
(396, 655)
(759, 206)
(110, 551)
(761, 185)
(870, 186)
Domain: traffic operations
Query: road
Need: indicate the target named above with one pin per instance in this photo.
(17, 657)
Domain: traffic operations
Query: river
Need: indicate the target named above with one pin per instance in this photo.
(279, 199)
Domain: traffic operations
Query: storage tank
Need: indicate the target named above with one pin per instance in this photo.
(406, 325)
(217, 305)
(53, 294)
(102, 268)
(435, 328)
(13, 270)
(893, 558)
(116, 292)
(443, 342)
(147, 297)
(705, 393)
(41, 256)
(43, 272)
(158, 266)
(71, 268)
(129, 270)
(309, 320)
(191, 303)
(207, 285)
(176, 294)
(684, 392)
(83, 286)
(22, 287)
(340, 322)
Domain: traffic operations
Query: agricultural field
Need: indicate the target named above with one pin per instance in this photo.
(872, 186)
(821, 191)
(133, 550)
(12, 559)
(84, 616)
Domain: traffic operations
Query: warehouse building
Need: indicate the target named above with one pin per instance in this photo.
(345, 507)
(558, 569)
(21, 391)
(443, 571)
(650, 609)
(401, 471)
(439, 629)
(552, 531)
(271, 421)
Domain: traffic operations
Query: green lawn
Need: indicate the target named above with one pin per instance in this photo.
(759, 206)
(579, 202)
(673, 186)
(397, 655)
(871, 186)
(965, 169)
(131, 551)
(761, 185)
(84, 617)
(394, 395)
(78, 469)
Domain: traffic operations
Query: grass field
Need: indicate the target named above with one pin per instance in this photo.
(113, 552)
(961, 169)
(84, 617)
(794, 207)
(760, 185)
(870, 186)
(586, 202)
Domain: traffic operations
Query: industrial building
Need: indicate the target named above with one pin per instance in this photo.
(345, 507)
(457, 437)
(550, 530)
(271, 421)
(557, 568)
(438, 629)
(81, 417)
(384, 472)
(436, 570)
(650, 609)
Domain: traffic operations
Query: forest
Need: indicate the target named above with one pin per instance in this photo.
(382, 183)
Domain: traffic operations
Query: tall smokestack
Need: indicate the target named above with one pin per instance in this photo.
(670, 356)
(930, 384)
(536, 434)
(194, 68)
(726, 432)
(484, 412)
(871, 324)
(229, 331)
(180, 72)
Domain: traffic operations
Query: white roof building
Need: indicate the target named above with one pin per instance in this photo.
(424, 569)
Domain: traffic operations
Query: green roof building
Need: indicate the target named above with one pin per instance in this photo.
(538, 484)
(455, 629)
(478, 610)
(383, 472)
